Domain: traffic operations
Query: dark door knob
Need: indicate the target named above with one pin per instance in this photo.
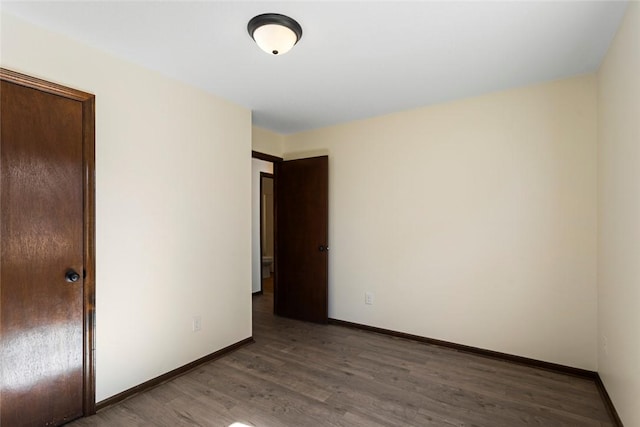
(71, 276)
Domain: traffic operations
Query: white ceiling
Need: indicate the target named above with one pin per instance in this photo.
(355, 60)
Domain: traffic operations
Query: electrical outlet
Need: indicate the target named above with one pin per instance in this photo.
(368, 298)
(197, 323)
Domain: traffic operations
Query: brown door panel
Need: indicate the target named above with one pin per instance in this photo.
(42, 239)
(302, 203)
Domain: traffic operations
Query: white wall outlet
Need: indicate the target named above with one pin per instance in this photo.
(197, 323)
(368, 298)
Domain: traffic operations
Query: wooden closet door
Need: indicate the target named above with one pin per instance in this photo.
(42, 257)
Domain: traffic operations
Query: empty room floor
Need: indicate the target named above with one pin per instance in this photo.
(302, 374)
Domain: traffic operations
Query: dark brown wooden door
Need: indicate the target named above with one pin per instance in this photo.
(42, 246)
(302, 212)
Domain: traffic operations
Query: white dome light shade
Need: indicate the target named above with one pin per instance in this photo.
(275, 39)
(274, 33)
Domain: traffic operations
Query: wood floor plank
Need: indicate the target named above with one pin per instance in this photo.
(543, 393)
(303, 374)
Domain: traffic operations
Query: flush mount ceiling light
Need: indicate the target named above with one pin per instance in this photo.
(274, 33)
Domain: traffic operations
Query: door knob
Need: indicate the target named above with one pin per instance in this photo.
(71, 276)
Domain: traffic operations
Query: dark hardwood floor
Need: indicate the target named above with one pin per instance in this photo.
(304, 374)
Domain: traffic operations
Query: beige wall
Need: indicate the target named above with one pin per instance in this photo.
(472, 222)
(619, 219)
(266, 142)
(172, 209)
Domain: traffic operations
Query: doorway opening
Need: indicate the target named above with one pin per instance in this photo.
(263, 235)
(267, 233)
(298, 268)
